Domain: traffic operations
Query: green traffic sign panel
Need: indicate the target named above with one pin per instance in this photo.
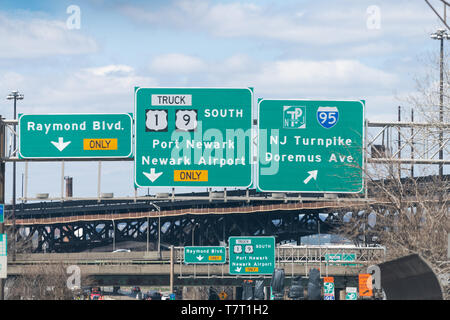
(351, 293)
(193, 137)
(310, 146)
(339, 257)
(204, 255)
(2, 213)
(251, 255)
(74, 135)
(328, 288)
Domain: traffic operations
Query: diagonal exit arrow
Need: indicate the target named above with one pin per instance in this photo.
(152, 176)
(60, 145)
(312, 175)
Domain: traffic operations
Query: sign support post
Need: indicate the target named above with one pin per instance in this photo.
(2, 193)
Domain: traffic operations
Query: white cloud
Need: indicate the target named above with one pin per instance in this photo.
(329, 77)
(176, 63)
(107, 88)
(290, 76)
(33, 38)
(314, 24)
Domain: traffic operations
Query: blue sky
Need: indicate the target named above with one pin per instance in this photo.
(284, 49)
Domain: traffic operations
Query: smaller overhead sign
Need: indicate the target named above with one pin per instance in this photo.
(252, 255)
(204, 255)
(339, 257)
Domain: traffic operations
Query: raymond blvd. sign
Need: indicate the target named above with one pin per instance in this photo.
(251, 255)
(94, 135)
(204, 255)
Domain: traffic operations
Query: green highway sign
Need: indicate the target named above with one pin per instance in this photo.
(2, 213)
(310, 146)
(74, 135)
(351, 293)
(339, 257)
(328, 288)
(204, 255)
(251, 255)
(193, 137)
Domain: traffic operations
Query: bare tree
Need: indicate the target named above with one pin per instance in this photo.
(43, 282)
(408, 209)
(46, 281)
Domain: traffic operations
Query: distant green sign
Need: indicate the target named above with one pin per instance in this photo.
(310, 146)
(340, 257)
(204, 255)
(75, 135)
(251, 255)
(2, 213)
(351, 293)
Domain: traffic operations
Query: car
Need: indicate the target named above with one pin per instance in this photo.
(165, 296)
(152, 295)
(136, 289)
(122, 250)
(96, 295)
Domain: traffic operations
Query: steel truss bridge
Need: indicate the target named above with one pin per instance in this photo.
(195, 219)
(75, 226)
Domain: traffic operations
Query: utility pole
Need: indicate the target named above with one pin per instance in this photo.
(2, 190)
(15, 95)
(440, 35)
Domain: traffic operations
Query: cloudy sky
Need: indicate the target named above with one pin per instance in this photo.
(87, 56)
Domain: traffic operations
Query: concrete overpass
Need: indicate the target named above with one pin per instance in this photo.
(167, 268)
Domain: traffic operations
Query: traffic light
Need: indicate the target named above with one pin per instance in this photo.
(296, 290)
(314, 285)
(277, 284)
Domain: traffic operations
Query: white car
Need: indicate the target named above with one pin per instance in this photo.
(122, 250)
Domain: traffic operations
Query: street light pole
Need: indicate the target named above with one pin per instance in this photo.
(159, 227)
(441, 105)
(15, 95)
(193, 230)
(440, 35)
